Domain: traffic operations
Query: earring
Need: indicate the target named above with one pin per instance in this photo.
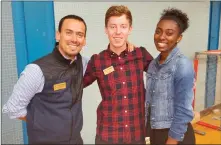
(177, 42)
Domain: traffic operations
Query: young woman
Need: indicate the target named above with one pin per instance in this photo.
(170, 79)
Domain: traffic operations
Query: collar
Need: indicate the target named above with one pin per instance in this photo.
(172, 54)
(62, 58)
(113, 55)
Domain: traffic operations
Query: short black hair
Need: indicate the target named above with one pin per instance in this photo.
(178, 16)
(71, 17)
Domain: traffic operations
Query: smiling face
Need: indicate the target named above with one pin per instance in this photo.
(118, 29)
(71, 38)
(167, 35)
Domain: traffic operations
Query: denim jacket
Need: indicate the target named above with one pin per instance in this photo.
(169, 94)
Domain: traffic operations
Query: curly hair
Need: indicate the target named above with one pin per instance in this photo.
(178, 16)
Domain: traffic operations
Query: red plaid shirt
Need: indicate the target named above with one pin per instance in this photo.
(121, 113)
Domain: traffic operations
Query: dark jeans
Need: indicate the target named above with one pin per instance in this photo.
(159, 136)
(99, 141)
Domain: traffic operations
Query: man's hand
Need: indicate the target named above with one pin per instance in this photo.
(131, 47)
(170, 140)
(22, 118)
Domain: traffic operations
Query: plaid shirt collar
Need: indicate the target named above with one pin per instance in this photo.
(113, 54)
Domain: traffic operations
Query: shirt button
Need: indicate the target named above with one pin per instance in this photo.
(125, 111)
(123, 82)
(125, 97)
(119, 57)
(121, 68)
(126, 125)
(153, 91)
(152, 118)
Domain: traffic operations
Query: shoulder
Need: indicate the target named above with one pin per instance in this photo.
(32, 68)
(144, 52)
(42, 59)
(140, 49)
(143, 49)
(31, 73)
(85, 60)
(184, 66)
(184, 62)
(101, 55)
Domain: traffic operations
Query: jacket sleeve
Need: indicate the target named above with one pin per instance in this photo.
(183, 111)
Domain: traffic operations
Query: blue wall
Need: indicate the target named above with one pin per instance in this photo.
(34, 33)
(215, 10)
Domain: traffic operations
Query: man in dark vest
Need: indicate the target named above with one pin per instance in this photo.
(49, 91)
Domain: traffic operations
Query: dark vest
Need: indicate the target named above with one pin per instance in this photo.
(55, 115)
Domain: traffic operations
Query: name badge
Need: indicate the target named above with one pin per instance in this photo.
(108, 70)
(59, 86)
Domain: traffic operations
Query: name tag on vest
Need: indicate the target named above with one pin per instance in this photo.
(59, 86)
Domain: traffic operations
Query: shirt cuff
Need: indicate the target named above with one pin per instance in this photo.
(176, 136)
(14, 115)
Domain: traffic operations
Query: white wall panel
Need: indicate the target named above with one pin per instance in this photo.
(11, 128)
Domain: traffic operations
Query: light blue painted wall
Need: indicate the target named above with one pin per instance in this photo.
(34, 32)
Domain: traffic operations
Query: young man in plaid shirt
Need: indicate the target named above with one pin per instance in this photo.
(119, 74)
